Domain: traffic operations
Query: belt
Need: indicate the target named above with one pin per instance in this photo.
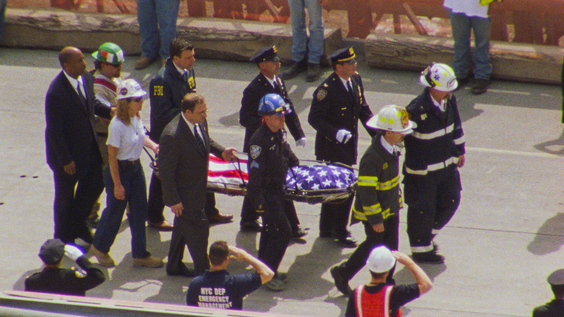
(126, 163)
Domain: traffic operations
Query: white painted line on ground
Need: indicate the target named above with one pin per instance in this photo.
(510, 92)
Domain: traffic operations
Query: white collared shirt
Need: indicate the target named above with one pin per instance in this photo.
(273, 82)
(390, 148)
(74, 83)
(180, 70)
(344, 81)
(441, 105)
(191, 126)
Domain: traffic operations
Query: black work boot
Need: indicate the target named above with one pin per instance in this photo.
(313, 72)
(341, 282)
(480, 86)
(295, 69)
(428, 257)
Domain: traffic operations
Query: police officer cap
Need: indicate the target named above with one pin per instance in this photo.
(343, 55)
(265, 54)
(52, 251)
(556, 278)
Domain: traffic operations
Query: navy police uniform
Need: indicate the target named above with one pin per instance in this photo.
(54, 279)
(166, 92)
(334, 108)
(554, 308)
(431, 178)
(249, 118)
(270, 157)
(66, 281)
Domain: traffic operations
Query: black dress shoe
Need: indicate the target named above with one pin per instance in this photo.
(298, 233)
(220, 218)
(428, 257)
(346, 242)
(186, 272)
(341, 282)
(251, 226)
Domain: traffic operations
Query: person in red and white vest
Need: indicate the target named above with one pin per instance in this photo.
(378, 299)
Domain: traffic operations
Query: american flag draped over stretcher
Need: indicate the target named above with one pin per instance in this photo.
(314, 183)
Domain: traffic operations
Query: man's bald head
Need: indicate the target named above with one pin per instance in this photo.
(72, 61)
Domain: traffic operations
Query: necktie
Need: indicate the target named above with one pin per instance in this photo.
(185, 76)
(349, 88)
(275, 84)
(80, 94)
(199, 138)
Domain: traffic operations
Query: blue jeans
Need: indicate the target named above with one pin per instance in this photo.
(157, 26)
(2, 13)
(461, 25)
(133, 181)
(300, 43)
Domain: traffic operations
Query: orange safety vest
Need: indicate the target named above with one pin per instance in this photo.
(374, 305)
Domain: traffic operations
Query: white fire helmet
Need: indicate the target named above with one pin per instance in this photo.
(392, 118)
(439, 76)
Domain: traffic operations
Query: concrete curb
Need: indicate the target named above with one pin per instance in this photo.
(213, 38)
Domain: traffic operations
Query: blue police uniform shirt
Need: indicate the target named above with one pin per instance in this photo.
(221, 290)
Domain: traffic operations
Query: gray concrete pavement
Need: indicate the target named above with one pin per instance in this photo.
(504, 240)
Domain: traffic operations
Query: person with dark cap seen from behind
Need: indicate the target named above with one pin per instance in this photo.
(270, 157)
(554, 308)
(107, 75)
(338, 104)
(434, 153)
(378, 196)
(72, 150)
(166, 92)
(378, 298)
(157, 27)
(267, 81)
(219, 289)
(57, 280)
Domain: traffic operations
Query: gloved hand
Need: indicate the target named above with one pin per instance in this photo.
(301, 142)
(72, 252)
(343, 136)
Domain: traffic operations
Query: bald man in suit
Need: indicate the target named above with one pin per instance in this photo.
(72, 151)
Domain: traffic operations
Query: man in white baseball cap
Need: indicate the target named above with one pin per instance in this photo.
(381, 298)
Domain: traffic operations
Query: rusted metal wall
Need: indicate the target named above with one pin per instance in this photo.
(525, 21)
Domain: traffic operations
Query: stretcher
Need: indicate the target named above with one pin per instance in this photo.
(313, 183)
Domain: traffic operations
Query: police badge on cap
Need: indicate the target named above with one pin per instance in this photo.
(265, 54)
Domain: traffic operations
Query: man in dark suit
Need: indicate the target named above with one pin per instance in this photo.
(183, 168)
(72, 152)
(167, 89)
(266, 82)
(338, 103)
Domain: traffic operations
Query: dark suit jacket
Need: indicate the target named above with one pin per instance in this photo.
(166, 92)
(183, 166)
(70, 131)
(248, 115)
(332, 109)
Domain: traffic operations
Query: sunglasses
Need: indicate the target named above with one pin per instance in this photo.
(138, 99)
